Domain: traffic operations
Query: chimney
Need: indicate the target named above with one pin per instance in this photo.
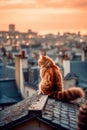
(23, 54)
(66, 66)
(4, 56)
(81, 122)
(10, 58)
(84, 54)
(21, 63)
(60, 58)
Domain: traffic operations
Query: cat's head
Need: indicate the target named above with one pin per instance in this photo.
(45, 61)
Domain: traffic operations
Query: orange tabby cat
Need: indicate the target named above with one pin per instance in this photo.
(52, 83)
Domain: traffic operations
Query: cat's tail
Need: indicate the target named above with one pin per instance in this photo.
(71, 94)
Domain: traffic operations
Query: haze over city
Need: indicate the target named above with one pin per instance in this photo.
(44, 16)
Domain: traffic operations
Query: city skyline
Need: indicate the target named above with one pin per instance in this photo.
(48, 16)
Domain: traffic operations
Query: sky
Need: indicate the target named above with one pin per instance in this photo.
(44, 16)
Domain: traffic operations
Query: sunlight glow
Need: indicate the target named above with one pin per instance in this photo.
(44, 15)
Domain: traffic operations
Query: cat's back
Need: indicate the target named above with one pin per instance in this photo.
(54, 73)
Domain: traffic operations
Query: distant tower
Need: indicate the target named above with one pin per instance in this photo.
(11, 27)
(78, 33)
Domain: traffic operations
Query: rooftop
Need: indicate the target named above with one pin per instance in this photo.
(9, 92)
(1, 62)
(70, 76)
(7, 72)
(80, 69)
(60, 115)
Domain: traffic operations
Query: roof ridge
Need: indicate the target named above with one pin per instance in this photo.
(21, 108)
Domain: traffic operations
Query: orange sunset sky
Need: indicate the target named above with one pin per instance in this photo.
(44, 16)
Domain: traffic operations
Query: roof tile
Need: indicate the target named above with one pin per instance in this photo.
(59, 114)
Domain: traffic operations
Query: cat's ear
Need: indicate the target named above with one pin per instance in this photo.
(42, 56)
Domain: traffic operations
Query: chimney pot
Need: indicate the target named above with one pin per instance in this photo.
(23, 54)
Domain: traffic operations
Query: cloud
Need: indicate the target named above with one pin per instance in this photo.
(80, 4)
(10, 4)
(44, 15)
(75, 4)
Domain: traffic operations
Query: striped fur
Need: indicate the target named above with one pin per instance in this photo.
(52, 82)
(70, 94)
